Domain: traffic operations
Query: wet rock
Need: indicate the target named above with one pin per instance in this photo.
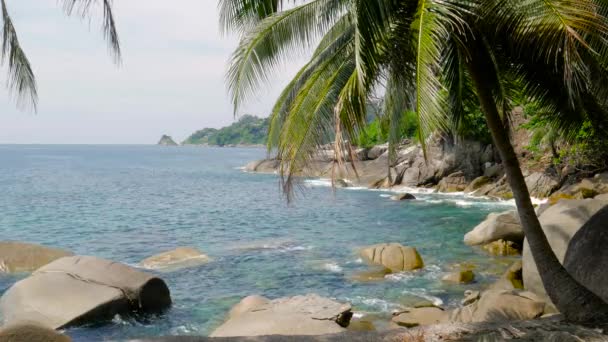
(374, 274)
(477, 183)
(497, 226)
(26, 257)
(263, 166)
(403, 197)
(461, 277)
(299, 315)
(175, 259)
(79, 290)
(393, 256)
(502, 248)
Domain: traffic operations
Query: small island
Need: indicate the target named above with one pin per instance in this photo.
(166, 140)
(249, 130)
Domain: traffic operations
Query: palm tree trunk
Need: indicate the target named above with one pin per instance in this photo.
(573, 300)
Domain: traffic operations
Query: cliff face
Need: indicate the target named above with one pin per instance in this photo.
(166, 140)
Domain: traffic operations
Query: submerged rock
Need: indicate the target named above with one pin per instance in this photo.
(461, 277)
(403, 197)
(178, 258)
(26, 257)
(29, 332)
(299, 315)
(393, 256)
(497, 226)
(559, 223)
(79, 290)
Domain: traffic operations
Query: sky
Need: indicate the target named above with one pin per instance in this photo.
(171, 80)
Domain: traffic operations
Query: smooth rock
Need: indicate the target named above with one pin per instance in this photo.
(31, 332)
(403, 197)
(79, 290)
(26, 257)
(374, 274)
(540, 184)
(376, 151)
(246, 304)
(393, 256)
(602, 197)
(299, 315)
(559, 222)
(175, 259)
(586, 258)
(421, 316)
(461, 277)
(497, 226)
(498, 306)
(454, 182)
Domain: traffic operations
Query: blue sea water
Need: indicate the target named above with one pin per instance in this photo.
(126, 203)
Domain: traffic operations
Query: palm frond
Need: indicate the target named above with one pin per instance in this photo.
(21, 80)
(242, 15)
(83, 8)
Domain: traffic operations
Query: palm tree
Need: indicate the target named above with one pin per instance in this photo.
(21, 80)
(432, 57)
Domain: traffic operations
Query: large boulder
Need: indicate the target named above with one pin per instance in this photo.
(421, 316)
(78, 290)
(263, 166)
(496, 226)
(299, 315)
(454, 182)
(477, 183)
(26, 257)
(393, 256)
(500, 305)
(587, 253)
(247, 304)
(29, 332)
(376, 151)
(175, 259)
(540, 184)
(460, 277)
(559, 222)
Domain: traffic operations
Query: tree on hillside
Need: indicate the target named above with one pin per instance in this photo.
(21, 80)
(434, 57)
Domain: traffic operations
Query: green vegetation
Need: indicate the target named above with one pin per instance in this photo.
(249, 130)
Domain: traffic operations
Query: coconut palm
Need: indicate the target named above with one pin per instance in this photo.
(21, 80)
(433, 57)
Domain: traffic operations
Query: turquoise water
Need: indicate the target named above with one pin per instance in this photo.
(126, 203)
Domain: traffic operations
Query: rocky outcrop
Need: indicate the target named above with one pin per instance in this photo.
(512, 279)
(78, 290)
(496, 226)
(454, 182)
(541, 185)
(393, 256)
(26, 257)
(403, 197)
(175, 259)
(587, 253)
(559, 222)
(500, 305)
(29, 332)
(299, 315)
(477, 183)
(247, 304)
(166, 140)
(420, 316)
(461, 277)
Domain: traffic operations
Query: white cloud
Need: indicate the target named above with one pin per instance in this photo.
(171, 80)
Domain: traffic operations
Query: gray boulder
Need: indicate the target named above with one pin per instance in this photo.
(78, 290)
(175, 259)
(540, 184)
(496, 226)
(263, 166)
(376, 151)
(587, 253)
(26, 257)
(393, 256)
(559, 222)
(299, 315)
(454, 182)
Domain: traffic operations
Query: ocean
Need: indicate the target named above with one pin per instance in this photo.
(126, 203)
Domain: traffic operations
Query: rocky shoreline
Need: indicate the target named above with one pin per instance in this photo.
(91, 290)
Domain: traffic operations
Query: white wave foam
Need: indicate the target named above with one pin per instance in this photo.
(385, 195)
(423, 293)
(376, 303)
(332, 267)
